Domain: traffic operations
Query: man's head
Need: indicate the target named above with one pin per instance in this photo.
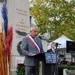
(34, 31)
(53, 45)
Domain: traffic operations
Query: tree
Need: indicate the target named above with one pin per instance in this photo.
(56, 17)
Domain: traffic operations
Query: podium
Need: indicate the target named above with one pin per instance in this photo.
(47, 64)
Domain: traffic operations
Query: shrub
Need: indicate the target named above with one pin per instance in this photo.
(69, 67)
(20, 69)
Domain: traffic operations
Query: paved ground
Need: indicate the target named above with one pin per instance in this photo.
(13, 73)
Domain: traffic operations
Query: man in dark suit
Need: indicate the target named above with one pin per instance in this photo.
(54, 69)
(31, 45)
(52, 49)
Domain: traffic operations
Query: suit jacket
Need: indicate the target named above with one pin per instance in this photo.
(50, 50)
(27, 49)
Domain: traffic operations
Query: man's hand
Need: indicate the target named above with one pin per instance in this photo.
(33, 54)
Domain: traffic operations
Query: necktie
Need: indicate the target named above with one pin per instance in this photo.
(35, 40)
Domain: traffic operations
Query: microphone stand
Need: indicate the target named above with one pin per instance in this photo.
(56, 66)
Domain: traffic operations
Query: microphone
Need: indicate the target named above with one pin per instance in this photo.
(40, 37)
(58, 43)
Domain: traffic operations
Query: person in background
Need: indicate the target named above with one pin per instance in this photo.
(54, 68)
(64, 61)
(31, 46)
(52, 49)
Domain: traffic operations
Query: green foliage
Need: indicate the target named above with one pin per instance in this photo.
(54, 16)
(20, 69)
(60, 68)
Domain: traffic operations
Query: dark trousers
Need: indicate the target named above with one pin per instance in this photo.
(31, 70)
(54, 69)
